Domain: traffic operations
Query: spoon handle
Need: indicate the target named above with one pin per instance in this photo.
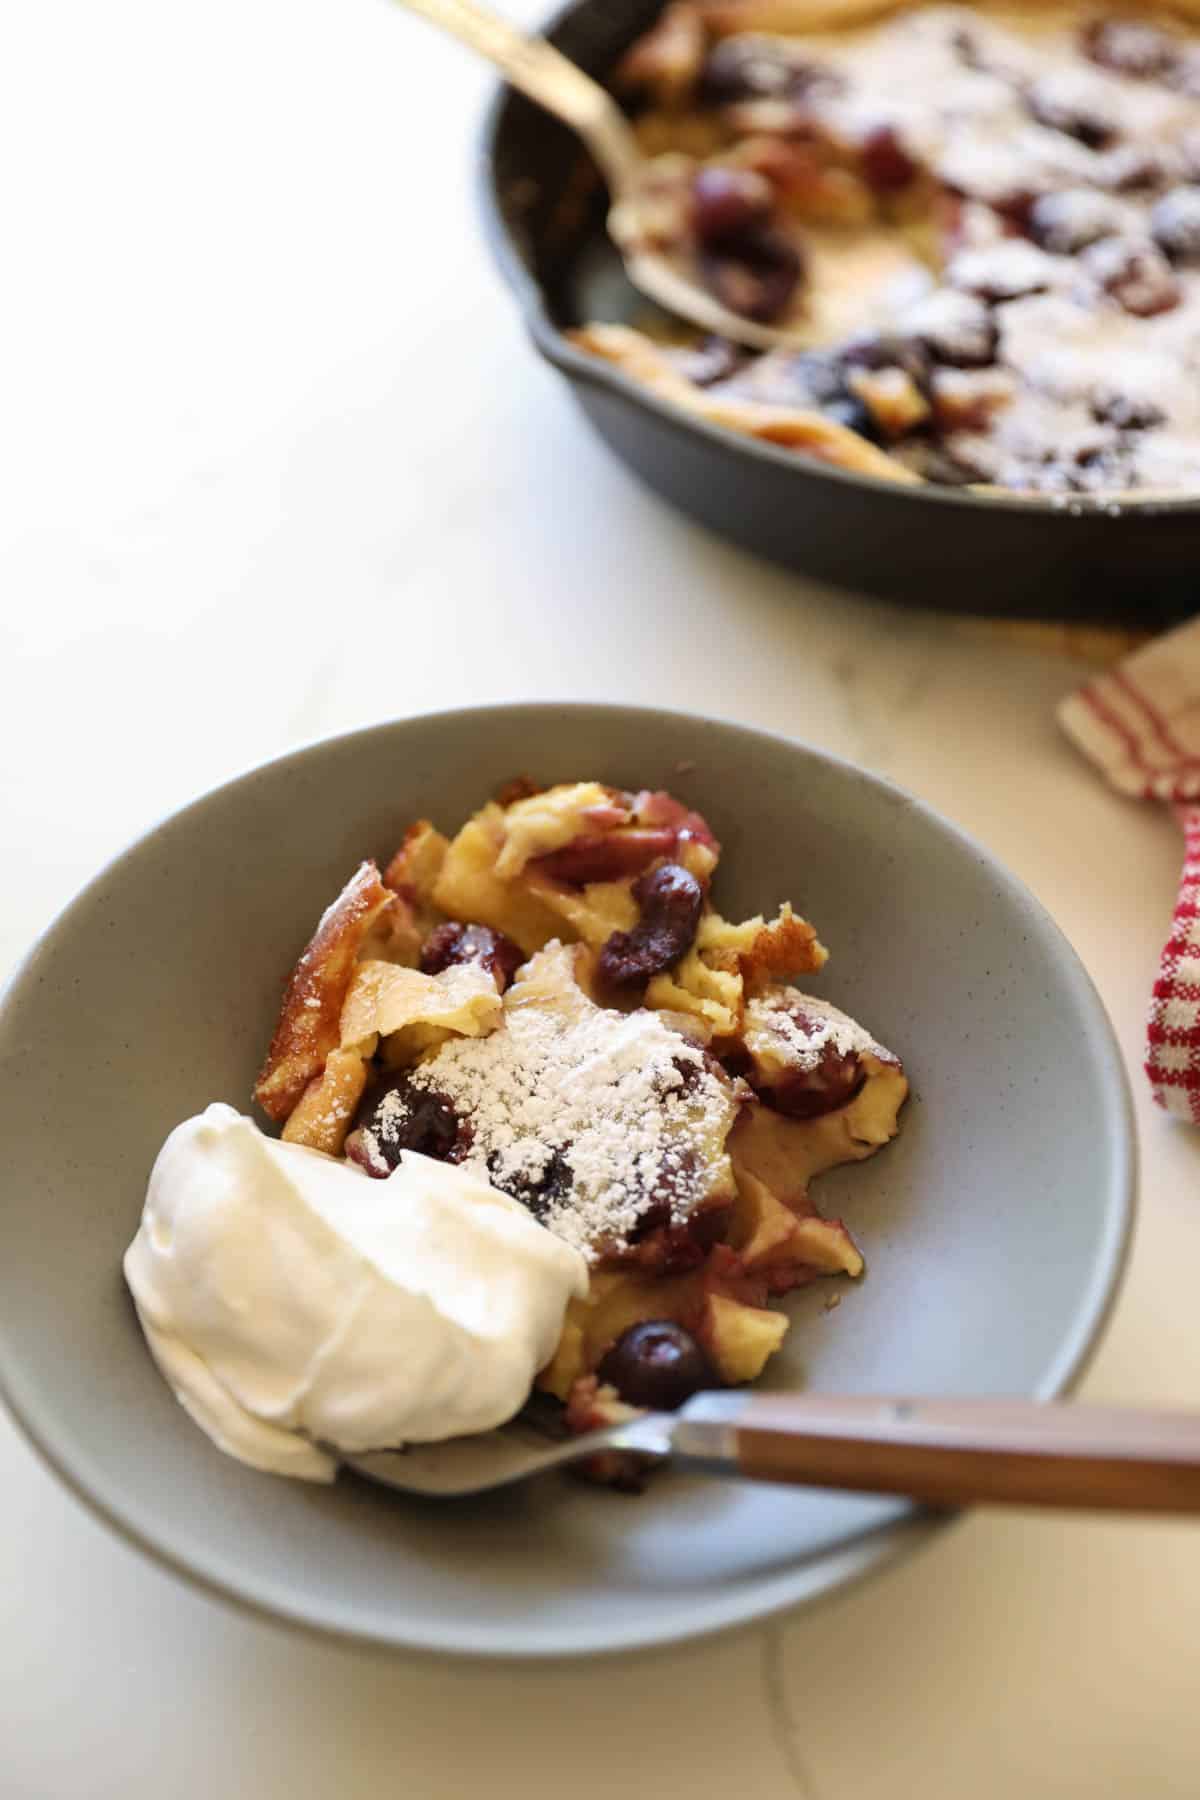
(953, 1452)
(547, 76)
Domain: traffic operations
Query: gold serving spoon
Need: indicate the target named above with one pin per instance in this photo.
(547, 76)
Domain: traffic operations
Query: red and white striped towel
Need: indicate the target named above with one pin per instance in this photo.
(1140, 723)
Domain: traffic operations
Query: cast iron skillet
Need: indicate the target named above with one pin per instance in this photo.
(926, 546)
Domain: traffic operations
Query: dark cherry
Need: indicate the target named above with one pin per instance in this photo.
(757, 278)
(1055, 107)
(676, 1204)
(886, 164)
(1010, 205)
(887, 350)
(750, 68)
(1067, 222)
(818, 378)
(997, 278)
(536, 1195)
(1092, 456)
(670, 900)
(1130, 168)
(1175, 224)
(418, 1119)
(810, 1093)
(656, 1247)
(960, 332)
(1129, 46)
(453, 944)
(713, 359)
(854, 414)
(1014, 207)
(1135, 273)
(690, 1075)
(657, 1365)
(676, 1224)
(690, 1072)
(607, 855)
(1125, 412)
(729, 204)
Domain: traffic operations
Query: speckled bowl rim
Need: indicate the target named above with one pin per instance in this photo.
(821, 1575)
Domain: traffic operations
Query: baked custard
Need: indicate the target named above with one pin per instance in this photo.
(979, 224)
(549, 1123)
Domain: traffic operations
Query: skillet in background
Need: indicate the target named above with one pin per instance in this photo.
(1133, 561)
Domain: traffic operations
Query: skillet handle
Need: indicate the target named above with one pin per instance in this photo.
(952, 1452)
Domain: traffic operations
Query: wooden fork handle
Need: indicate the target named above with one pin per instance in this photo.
(953, 1452)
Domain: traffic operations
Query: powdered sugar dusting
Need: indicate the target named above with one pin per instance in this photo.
(597, 1116)
(1076, 191)
(807, 1027)
(995, 122)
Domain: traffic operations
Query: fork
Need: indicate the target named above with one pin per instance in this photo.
(940, 1452)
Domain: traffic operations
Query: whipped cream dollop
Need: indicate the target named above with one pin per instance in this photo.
(291, 1302)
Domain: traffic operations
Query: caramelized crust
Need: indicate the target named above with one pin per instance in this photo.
(414, 869)
(309, 1025)
(787, 946)
(322, 1116)
(413, 873)
(791, 427)
(765, 951)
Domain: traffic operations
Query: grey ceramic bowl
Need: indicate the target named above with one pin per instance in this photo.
(993, 1228)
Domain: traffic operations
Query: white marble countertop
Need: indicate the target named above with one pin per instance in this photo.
(279, 462)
